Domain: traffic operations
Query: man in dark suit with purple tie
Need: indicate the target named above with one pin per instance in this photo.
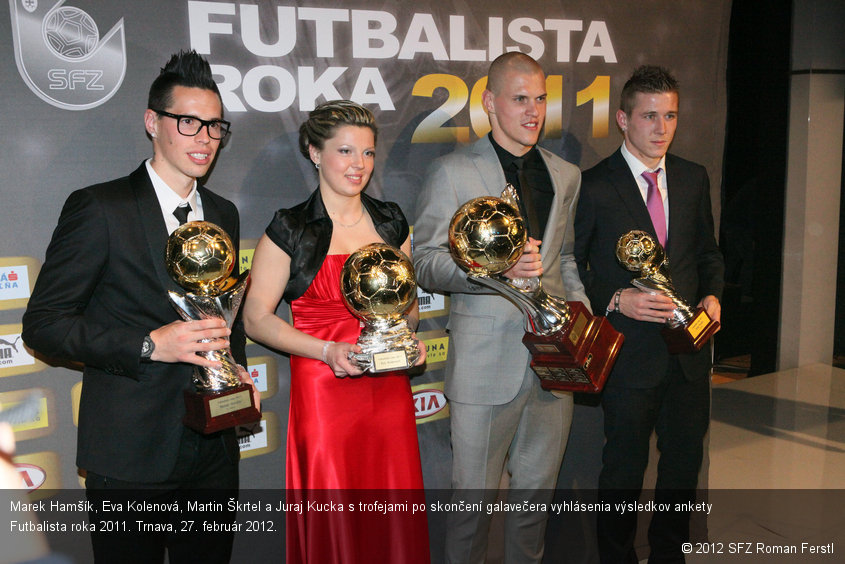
(101, 300)
(642, 187)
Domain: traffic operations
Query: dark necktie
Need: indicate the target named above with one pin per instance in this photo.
(182, 212)
(654, 203)
(527, 200)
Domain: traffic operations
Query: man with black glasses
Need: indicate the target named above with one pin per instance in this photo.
(101, 300)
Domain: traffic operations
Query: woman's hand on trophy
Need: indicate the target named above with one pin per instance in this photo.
(180, 341)
(336, 355)
(422, 349)
(530, 264)
(642, 306)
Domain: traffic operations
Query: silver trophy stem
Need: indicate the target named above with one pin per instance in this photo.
(194, 307)
(543, 314)
(385, 335)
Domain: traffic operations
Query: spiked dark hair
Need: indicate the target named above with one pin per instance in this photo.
(185, 68)
(649, 79)
(324, 120)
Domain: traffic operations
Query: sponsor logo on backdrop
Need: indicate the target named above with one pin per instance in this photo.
(430, 403)
(246, 259)
(15, 357)
(436, 348)
(40, 473)
(252, 437)
(61, 56)
(14, 282)
(35, 420)
(260, 438)
(246, 252)
(431, 305)
(32, 476)
(17, 275)
(13, 353)
(258, 373)
(264, 373)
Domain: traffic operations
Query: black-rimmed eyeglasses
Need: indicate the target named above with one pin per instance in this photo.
(192, 125)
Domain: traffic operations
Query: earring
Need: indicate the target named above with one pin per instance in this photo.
(317, 166)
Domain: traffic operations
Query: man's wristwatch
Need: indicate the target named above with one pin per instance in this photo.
(615, 309)
(147, 348)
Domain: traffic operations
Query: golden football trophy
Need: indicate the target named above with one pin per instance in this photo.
(200, 257)
(378, 286)
(571, 349)
(688, 329)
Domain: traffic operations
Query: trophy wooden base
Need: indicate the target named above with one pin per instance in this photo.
(691, 337)
(578, 358)
(212, 412)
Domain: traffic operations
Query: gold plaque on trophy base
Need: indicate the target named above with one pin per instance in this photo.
(211, 412)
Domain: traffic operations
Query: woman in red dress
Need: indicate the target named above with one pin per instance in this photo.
(352, 447)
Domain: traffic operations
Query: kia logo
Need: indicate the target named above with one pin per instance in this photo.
(428, 402)
(33, 477)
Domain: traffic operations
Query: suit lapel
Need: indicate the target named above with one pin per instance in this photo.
(489, 168)
(155, 230)
(628, 191)
(678, 208)
(554, 214)
(210, 211)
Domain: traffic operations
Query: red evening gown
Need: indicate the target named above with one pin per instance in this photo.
(351, 444)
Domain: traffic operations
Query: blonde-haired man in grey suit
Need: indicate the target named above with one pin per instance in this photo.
(498, 410)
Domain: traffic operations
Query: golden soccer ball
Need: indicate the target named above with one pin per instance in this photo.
(486, 236)
(378, 282)
(200, 257)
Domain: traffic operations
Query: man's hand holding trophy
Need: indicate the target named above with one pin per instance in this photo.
(571, 349)
(687, 329)
(200, 257)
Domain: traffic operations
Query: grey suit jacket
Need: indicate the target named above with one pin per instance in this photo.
(487, 360)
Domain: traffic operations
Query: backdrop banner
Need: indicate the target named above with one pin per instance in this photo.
(76, 78)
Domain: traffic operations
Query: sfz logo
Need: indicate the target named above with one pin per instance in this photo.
(61, 56)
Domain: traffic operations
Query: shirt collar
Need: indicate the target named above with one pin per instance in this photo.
(636, 165)
(167, 198)
(506, 157)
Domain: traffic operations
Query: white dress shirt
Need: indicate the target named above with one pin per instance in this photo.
(170, 200)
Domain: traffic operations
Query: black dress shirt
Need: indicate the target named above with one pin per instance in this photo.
(536, 176)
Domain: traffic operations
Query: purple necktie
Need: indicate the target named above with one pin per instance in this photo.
(654, 203)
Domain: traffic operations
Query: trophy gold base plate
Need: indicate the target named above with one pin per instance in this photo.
(578, 358)
(212, 412)
(386, 361)
(691, 337)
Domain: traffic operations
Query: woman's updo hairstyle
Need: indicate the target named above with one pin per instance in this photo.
(325, 119)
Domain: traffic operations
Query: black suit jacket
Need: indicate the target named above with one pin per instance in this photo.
(611, 205)
(102, 288)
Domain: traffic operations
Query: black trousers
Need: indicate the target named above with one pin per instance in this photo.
(186, 515)
(678, 410)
